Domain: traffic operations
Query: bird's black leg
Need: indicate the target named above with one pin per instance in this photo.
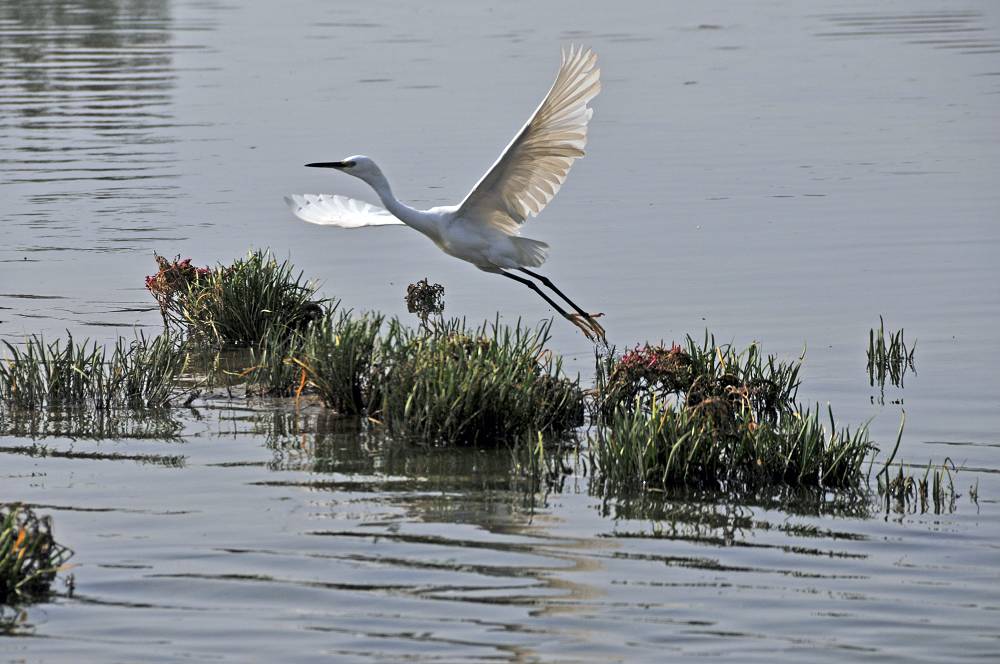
(533, 286)
(548, 282)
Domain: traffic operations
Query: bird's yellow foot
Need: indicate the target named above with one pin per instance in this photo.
(596, 327)
(583, 324)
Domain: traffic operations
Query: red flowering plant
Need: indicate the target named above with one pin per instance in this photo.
(645, 369)
(707, 379)
(171, 283)
(235, 305)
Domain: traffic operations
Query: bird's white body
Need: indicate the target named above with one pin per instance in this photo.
(485, 228)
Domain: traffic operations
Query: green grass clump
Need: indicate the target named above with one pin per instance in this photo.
(888, 361)
(29, 555)
(487, 385)
(665, 444)
(709, 416)
(238, 305)
(141, 373)
(447, 383)
(335, 357)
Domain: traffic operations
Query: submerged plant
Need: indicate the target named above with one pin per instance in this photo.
(237, 305)
(29, 555)
(907, 491)
(888, 361)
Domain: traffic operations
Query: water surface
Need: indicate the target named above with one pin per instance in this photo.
(778, 172)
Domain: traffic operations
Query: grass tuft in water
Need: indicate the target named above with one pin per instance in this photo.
(889, 358)
(907, 491)
(335, 358)
(141, 373)
(446, 384)
(29, 555)
(711, 417)
(489, 385)
(237, 305)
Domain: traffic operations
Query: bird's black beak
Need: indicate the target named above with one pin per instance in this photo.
(331, 164)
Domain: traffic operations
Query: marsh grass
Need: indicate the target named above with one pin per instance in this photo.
(450, 383)
(238, 305)
(461, 385)
(141, 373)
(703, 375)
(669, 445)
(709, 416)
(335, 358)
(889, 358)
(29, 555)
(906, 491)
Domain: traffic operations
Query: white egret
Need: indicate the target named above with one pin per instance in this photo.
(484, 229)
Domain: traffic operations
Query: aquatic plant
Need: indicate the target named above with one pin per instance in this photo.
(670, 445)
(906, 491)
(29, 555)
(236, 305)
(484, 385)
(705, 374)
(140, 373)
(709, 416)
(888, 361)
(335, 358)
(172, 280)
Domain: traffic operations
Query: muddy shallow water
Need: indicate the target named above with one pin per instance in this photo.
(779, 172)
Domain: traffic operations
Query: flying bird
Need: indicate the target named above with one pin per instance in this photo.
(485, 228)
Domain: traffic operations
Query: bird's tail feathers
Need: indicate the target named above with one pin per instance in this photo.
(531, 253)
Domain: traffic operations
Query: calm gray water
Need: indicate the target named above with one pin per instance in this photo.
(781, 171)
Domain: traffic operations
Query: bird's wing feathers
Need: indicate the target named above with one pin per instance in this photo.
(336, 210)
(533, 167)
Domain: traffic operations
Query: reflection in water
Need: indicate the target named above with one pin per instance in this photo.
(89, 424)
(85, 105)
(368, 545)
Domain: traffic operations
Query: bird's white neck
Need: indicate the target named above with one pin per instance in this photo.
(381, 186)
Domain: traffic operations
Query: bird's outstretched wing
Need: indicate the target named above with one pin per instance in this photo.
(533, 167)
(336, 210)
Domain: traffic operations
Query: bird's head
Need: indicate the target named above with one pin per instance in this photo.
(359, 166)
